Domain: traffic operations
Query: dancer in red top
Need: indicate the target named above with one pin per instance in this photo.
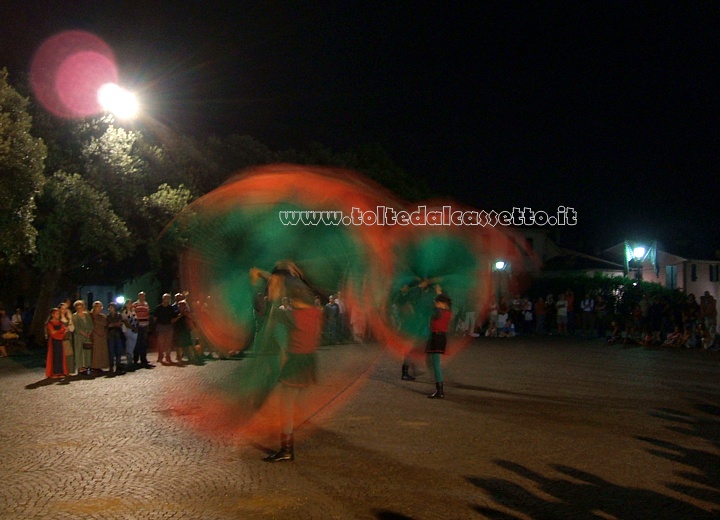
(439, 324)
(56, 366)
(304, 325)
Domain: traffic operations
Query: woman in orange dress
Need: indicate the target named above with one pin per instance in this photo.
(56, 366)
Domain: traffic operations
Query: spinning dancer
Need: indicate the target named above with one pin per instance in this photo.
(303, 324)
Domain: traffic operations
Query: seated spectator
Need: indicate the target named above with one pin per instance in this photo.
(503, 311)
(6, 330)
(615, 334)
(656, 318)
(492, 331)
(17, 321)
(508, 331)
(674, 339)
(697, 335)
(707, 340)
(687, 340)
(632, 333)
(493, 313)
(647, 339)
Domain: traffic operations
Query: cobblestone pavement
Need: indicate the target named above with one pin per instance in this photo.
(529, 428)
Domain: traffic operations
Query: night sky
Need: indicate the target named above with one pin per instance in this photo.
(612, 108)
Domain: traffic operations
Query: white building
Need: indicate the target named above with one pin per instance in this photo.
(675, 272)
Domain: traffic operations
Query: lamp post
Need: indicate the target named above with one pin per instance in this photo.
(119, 102)
(638, 255)
(500, 267)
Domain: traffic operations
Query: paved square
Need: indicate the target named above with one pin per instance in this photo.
(529, 428)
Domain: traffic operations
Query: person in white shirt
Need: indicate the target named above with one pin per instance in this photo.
(587, 306)
(129, 328)
(562, 314)
(17, 321)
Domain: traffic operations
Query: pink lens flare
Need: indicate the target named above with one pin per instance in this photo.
(67, 71)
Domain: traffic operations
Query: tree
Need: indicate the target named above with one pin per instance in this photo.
(158, 209)
(76, 226)
(22, 159)
(112, 162)
(215, 160)
(369, 159)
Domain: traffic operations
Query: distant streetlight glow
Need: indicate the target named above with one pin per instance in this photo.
(499, 265)
(118, 101)
(639, 253)
(120, 300)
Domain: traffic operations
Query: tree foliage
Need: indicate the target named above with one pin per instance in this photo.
(78, 223)
(159, 209)
(371, 160)
(22, 159)
(112, 163)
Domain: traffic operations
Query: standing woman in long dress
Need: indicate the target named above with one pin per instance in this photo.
(55, 367)
(66, 318)
(83, 334)
(100, 352)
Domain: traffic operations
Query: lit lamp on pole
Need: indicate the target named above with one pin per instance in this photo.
(121, 103)
(636, 262)
(500, 267)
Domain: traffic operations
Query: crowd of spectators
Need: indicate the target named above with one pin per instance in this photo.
(652, 322)
(96, 342)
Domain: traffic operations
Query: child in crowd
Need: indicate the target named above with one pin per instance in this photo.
(492, 331)
(508, 331)
(614, 332)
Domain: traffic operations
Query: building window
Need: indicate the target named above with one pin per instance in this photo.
(693, 272)
(715, 273)
(671, 276)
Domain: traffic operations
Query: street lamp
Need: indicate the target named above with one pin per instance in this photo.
(500, 267)
(122, 103)
(636, 262)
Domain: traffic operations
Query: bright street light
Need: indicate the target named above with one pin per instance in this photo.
(499, 265)
(639, 253)
(118, 101)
